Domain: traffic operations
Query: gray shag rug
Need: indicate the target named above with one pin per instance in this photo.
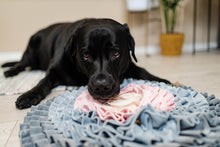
(195, 121)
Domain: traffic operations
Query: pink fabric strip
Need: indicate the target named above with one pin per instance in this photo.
(130, 100)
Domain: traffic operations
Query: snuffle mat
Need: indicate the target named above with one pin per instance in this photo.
(194, 121)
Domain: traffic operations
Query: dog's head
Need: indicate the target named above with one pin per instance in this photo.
(101, 50)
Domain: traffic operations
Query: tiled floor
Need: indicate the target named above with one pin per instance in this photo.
(201, 72)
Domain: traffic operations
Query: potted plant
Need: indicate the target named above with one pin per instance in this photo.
(170, 42)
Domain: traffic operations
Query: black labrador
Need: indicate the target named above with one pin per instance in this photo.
(89, 51)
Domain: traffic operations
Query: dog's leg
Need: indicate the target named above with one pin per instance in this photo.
(140, 73)
(9, 64)
(28, 58)
(38, 93)
(14, 70)
(19, 66)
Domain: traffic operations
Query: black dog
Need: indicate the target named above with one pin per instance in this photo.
(90, 51)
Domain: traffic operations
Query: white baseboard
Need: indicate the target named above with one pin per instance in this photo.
(10, 56)
(187, 48)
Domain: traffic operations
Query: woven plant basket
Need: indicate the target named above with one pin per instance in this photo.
(171, 44)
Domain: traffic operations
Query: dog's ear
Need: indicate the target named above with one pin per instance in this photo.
(70, 47)
(131, 43)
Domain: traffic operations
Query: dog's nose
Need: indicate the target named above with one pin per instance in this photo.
(102, 85)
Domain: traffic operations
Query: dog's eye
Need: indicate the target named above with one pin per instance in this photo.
(116, 54)
(86, 56)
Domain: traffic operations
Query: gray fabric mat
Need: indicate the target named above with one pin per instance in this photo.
(195, 121)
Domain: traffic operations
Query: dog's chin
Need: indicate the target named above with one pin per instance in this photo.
(104, 97)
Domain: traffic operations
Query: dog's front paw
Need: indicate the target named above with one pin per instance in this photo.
(10, 73)
(27, 100)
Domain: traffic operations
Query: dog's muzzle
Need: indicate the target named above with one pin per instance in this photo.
(102, 87)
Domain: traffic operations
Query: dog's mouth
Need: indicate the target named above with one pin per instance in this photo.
(103, 97)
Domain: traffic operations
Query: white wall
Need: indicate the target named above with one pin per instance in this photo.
(19, 19)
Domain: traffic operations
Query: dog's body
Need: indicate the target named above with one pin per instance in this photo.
(90, 51)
